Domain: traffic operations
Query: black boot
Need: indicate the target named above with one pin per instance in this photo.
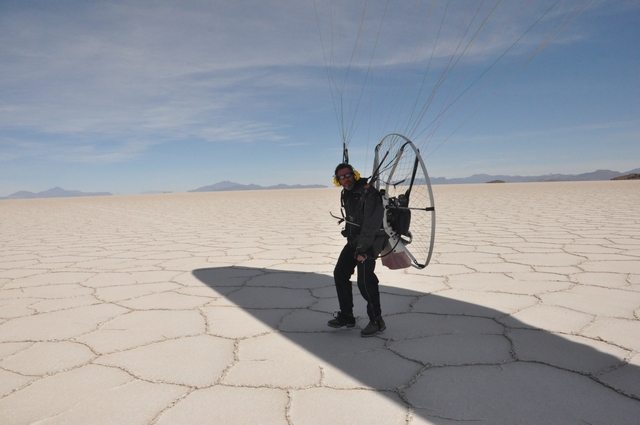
(340, 319)
(373, 328)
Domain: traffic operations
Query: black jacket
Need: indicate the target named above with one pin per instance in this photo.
(364, 213)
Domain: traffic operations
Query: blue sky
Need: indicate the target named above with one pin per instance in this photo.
(134, 96)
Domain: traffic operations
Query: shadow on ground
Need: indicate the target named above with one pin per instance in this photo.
(441, 359)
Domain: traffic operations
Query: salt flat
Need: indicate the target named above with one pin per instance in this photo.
(205, 308)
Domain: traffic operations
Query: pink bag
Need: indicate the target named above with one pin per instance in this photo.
(394, 260)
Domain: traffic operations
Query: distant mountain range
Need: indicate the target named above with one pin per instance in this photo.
(485, 178)
(56, 192)
(226, 186)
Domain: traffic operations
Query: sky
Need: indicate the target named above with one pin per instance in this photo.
(137, 96)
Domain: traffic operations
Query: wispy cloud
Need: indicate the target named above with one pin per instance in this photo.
(102, 81)
(293, 145)
(145, 73)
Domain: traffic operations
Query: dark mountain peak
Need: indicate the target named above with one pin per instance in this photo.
(225, 186)
(55, 192)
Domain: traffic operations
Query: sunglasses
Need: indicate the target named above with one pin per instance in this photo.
(344, 176)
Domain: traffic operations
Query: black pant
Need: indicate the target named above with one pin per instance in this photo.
(367, 283)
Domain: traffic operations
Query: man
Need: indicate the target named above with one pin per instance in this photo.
(365, 235)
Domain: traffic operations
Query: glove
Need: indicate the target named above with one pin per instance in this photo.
(364, 257)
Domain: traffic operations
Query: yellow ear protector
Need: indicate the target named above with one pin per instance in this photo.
(356, 175)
